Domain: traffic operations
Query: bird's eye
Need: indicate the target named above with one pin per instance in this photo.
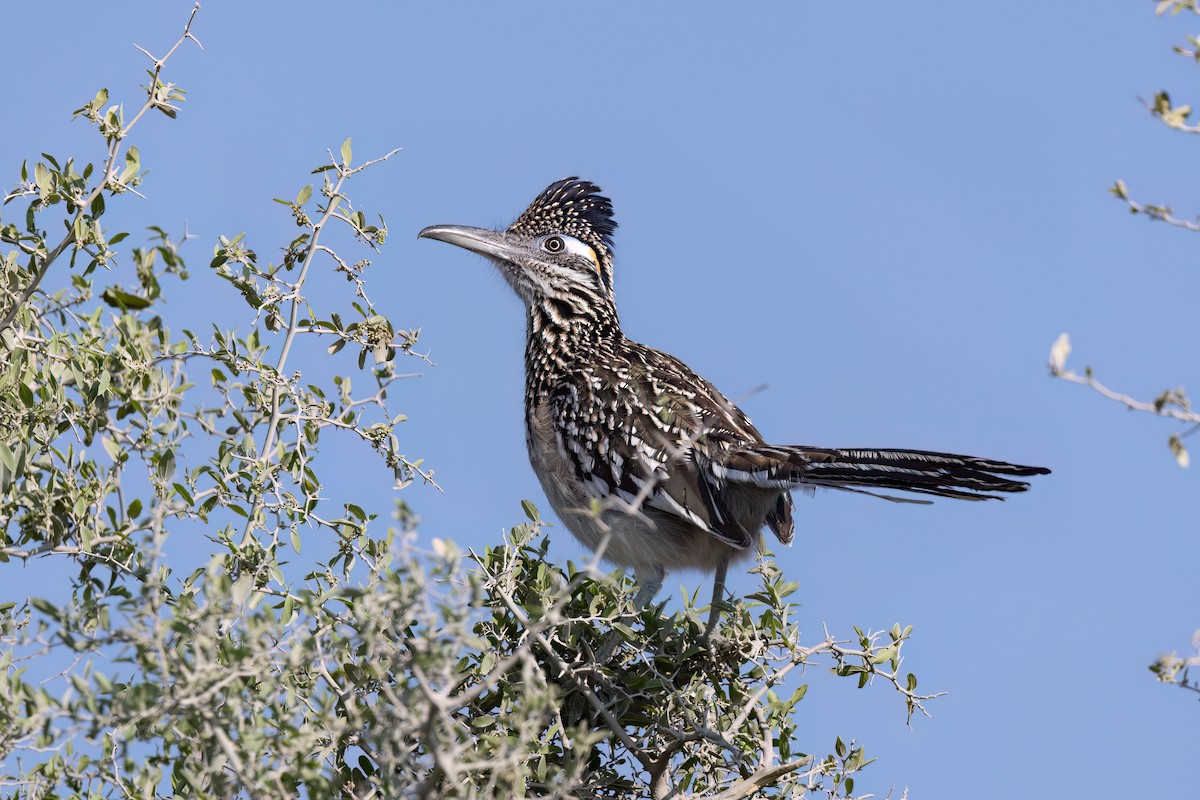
(554, 244)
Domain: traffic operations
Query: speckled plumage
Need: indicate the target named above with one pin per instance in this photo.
(575, 208)
(638, 453)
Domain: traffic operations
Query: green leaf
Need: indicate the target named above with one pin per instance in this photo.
(304, 195)
(7, 458)
(530, 510)
(44, 606)
(166, 465)
(346, 153)
(124, 300)
(886, 654)
(1179, 451)
(134, 509)
(182, 491)
(626, 632)
(132, 164)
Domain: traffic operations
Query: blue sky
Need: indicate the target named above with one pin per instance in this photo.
(886, 213)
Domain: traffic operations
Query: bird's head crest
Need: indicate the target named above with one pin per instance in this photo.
(576, 208)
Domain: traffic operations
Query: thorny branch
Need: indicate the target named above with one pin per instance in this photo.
(1172, 403)
(1131, 403)
(1155, 212)
(334, 198)
(657, 753)
(106, 182)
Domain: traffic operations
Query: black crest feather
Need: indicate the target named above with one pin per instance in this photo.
(576, 208)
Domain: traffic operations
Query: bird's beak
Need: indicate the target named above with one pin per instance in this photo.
(478, 240)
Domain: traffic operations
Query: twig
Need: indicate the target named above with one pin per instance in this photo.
(106, 181)
(1125, 400)
(764, 777)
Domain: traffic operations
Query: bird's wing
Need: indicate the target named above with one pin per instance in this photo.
(649, 438)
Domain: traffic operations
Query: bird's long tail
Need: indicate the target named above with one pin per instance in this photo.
(870, 471)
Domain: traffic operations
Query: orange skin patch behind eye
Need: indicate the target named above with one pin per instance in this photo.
(579, 248)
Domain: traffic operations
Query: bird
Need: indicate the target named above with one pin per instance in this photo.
(643, 460)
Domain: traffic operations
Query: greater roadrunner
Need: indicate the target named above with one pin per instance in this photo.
(640, 455)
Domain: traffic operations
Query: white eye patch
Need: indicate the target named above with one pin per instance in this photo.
(560, 243)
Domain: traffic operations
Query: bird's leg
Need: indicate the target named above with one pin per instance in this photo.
(649, 582)
(714, 614)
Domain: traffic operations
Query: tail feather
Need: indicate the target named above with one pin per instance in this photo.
(863, 471)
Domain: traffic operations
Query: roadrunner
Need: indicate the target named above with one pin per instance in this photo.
(638, 454)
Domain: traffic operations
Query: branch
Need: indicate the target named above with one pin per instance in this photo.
(106, 181)
(1158, 213)
(565, 670)
(60, 549)
(335, 198)
(23, 298)
(1127, 401)
(763, 778)
(1172, 405)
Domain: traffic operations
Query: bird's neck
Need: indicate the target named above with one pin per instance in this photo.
(560, 334)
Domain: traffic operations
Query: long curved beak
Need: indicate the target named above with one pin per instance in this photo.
(483, 241)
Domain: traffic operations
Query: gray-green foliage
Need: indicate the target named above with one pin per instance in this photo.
(1173, 404)
(359, 665)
